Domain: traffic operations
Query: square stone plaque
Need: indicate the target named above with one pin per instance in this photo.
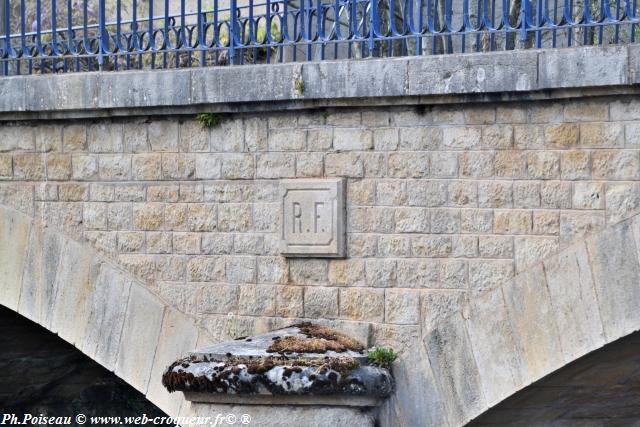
(312, 217)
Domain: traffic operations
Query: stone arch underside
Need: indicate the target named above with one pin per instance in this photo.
(472, 355)
(477, 352)
(599, 389)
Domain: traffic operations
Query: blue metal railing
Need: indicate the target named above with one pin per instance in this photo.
(65, 35)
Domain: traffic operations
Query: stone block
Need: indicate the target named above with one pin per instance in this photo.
(495, 194)
(427, 193)
(616, 164)
(500, 367)
(408, 165)
(417, 273)
(194, 137)
(287, 140)
(622, 201)
(48, 138)
(362, 304)
(484, 275)
(476, 164)
(444, 164)
(463, 193)
(178, 336)
(352, 139)
(411, 220)
(105, 137)
(29, 167)
(402, 306)
(140, 336)
(495, 246)
(543, 165)
(561, 135)
(575, 225)
(526, 194)
(391, 192)
(75, 284)
(58, 167)
(309, 165)
(546, 222)
(106, 312)
(461, 138)
(163, 136)
(321, 303)
(276, 165)
(146, 167)
(308, 272)
(512, 222)
(510, 164)
(575, 303)
(14, 237)
(454, 368)
(616, 275)
(602, 135)
(238, 166)
(255, 134)
(531, 250)
(431, 246)
(348, 272)
(607, 67)
(498, 137)
(347, 164)
(178, 166)
(205, 269)
(290, 301)
(588, 195)
(531, 314)
(257, 300)
(385, 139)
(39, 275)
(420, 138)
(575, 164)
(585, 111)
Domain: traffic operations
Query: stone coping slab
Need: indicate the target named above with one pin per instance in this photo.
(492, 76)
(293, 365)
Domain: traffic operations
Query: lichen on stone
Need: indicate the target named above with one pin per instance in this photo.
(300, 359)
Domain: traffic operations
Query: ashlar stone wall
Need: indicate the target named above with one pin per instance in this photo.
(442, 202)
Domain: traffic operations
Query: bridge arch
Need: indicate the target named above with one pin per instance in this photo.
(505, 338)
(111, 317)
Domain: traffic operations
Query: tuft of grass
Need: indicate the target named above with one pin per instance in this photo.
(382, 357)
(209, 120)
(299, 85)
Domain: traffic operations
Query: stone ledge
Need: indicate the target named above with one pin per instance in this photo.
(300, 365)
(512, 75)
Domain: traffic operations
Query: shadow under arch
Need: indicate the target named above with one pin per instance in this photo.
(43, 375)
(601, 388)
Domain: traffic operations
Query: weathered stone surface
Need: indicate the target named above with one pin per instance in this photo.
(177, 336)
(531, 314)
(39, 276)
(454, 369)
(500, 366)
(140, 335)
(74, 287)
(616, 276)
(574, 301)
(14, 237)
(107, 306)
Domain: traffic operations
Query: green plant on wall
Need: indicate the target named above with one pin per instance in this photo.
(209, 120)
(382, 357)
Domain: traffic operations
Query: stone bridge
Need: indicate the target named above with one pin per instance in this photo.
(491, 217)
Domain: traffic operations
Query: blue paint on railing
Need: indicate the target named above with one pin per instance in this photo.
(66, 36)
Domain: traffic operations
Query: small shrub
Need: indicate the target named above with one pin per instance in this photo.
(299, 84)
(382, 357)
(209, 120)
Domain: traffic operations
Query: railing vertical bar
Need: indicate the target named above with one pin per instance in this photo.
(232, 32)
(201, 42)
(165, 35)
(5, 29)
(152, 37)
(102, 37)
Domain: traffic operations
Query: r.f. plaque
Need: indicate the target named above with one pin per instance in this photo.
(312, 218)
